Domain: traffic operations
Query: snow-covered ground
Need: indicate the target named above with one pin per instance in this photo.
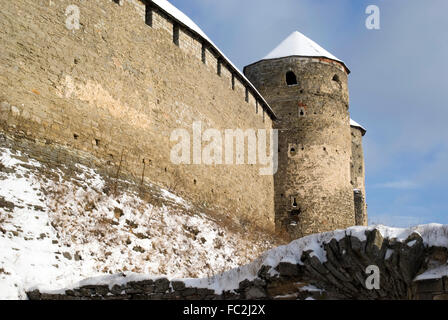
(433, 235)
(60, 230)
(57, 230)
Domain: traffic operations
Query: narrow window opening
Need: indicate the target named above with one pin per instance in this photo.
(148, 15)
(256, 107)
(195, 182)
(292, 150)
(247, 95)
(176, 34)
(219, 67)
(294, 202)
(291, 78)
(97, 142)
(337, 80)
(75, 136)
(233, 81)
(203, 53)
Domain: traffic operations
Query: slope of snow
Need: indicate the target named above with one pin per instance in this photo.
(433, 235)
(435, 273)
(57, 227)
(297, 44)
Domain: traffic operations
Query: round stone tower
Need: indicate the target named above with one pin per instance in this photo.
(307, 88)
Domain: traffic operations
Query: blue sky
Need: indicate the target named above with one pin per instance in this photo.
(398, 85)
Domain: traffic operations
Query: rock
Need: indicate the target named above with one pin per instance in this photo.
(288, 269)
(189, 292)
(263, 273)
(34, 295)
(7, 205)
(67, 255)
(432, 285)
(117, 289)
(161, 285)
(255, 292)
(441, 297)
(244, 284)
(118, 213)
(374, 243)
(138, 249)
(178, 285)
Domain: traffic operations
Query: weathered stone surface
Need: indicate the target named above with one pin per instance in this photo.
(255, 292)
(178, 285)
(161, 285)
(119, 108)
(288, 269)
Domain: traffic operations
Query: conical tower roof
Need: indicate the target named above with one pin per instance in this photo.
(297, 44)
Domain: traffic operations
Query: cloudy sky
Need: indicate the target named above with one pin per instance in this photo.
(398, 85)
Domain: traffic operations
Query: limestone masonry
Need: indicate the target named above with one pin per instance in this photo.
(134, 71)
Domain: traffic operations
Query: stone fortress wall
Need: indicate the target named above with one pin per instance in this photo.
(117, 88)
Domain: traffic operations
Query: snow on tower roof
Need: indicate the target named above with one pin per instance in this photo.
(182, 18)
(297, 44)
(355, 124)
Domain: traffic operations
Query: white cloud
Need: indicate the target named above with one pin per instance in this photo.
(403, 184)
(396, 221)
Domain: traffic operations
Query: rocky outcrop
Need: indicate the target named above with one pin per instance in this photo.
(338, 274)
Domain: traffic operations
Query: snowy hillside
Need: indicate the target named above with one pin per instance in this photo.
(57, 229)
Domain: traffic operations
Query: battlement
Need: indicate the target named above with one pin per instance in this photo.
(187, 36)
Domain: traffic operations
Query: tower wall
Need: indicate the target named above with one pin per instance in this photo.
(358, 176)
(312, 185)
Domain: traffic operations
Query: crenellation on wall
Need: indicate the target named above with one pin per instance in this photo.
(251, 100)
(161, 21)
(226, 75)
(211, 60)
(239, 87)
(191, 44)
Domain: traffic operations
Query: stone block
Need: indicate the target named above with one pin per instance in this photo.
(441, 297)
(432, 285)
(178, 285)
